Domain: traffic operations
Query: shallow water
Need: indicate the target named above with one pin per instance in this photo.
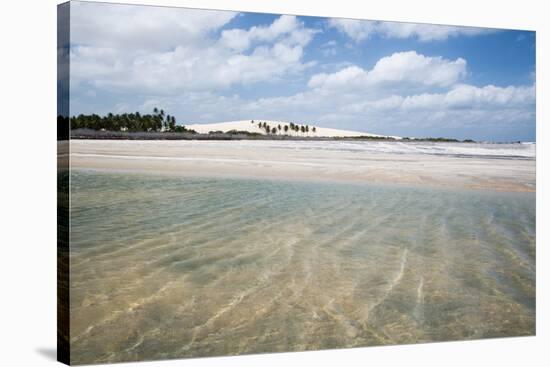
(166, 267)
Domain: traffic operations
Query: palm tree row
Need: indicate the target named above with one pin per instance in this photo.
(304, 129)
(158, 121)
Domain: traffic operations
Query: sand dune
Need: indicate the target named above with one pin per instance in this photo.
(253, 127)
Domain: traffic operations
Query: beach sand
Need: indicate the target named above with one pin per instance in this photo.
(383, 163)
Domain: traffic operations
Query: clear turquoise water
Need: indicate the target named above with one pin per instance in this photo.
(167, 267)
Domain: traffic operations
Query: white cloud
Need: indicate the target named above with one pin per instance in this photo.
(360, 30)
(155, 50)
(385, 104)
(422, 101)
(356, 29)
(410, 66)
(428, 32)
(467, 96)
(285, 29)
(184, 69)
(358, 98)
(133, 27)
(343, 78)
(401, 68)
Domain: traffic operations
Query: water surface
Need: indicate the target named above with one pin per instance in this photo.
(167, 266)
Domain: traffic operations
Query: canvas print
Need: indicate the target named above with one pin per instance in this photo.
(233, 183)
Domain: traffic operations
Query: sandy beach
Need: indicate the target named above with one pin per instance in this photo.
(500, 167)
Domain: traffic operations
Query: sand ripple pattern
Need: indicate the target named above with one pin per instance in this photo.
(167, 267)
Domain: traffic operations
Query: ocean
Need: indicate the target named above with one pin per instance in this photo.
(168, 267)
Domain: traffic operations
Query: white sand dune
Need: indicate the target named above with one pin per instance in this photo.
(253, 127)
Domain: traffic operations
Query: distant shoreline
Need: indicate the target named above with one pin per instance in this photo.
(161, 126)
(88, 134)
(462, 167)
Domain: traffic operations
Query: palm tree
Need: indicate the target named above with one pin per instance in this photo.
(127, 122)
(171, 123)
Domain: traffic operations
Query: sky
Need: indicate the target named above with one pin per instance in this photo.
(391, 78)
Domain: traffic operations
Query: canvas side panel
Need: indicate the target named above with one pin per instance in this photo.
(63, 209)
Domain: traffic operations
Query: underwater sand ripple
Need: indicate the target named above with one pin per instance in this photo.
(222, 266)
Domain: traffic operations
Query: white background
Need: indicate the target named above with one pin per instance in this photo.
(28, 181)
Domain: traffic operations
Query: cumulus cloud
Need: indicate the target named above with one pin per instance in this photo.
(148, 28)
(401, 67)
(183, 69)
(287, 29)
(156, 50)
(467, 96)
(410, 66)
(462, 96)
(360, 30)
(342, 78)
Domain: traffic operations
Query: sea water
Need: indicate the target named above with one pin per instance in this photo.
(168, 267)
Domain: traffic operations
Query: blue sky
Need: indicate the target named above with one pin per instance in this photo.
(380, 77)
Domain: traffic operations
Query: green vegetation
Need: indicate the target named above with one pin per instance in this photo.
(364, 137)
(439, 140)
(237, 132)
(155, 125)
(284, 129)
(133, 122)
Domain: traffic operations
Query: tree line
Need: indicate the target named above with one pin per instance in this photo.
(277, 129)
(158, 121)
